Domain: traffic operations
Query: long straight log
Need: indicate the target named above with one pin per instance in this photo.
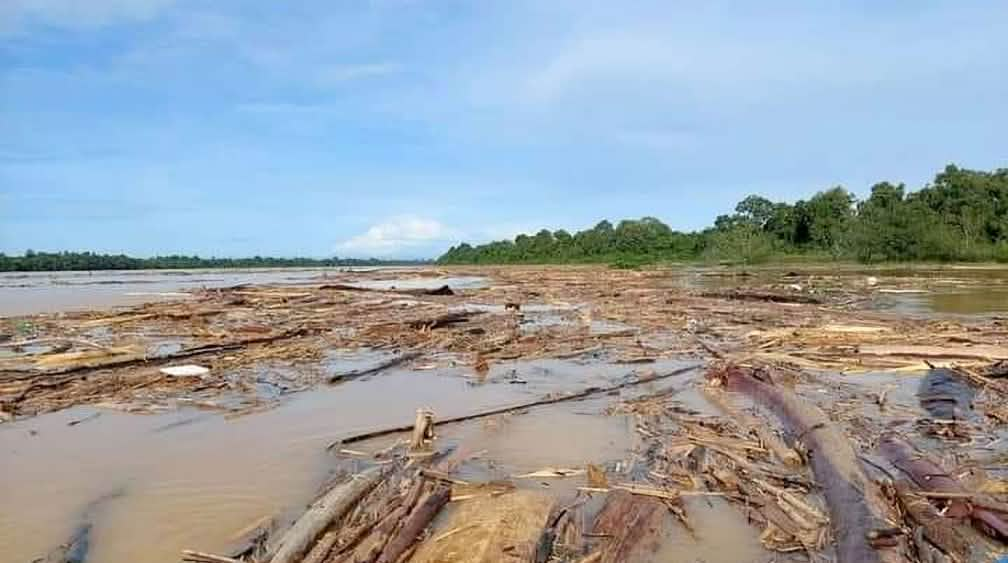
(512, 408)
(320, 515)
(858, 511)
(391, 363)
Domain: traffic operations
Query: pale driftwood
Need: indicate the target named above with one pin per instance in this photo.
(589, 392)
(979, 352)
(423, 430)
(320, 515)
(201, 557)
(783, 452)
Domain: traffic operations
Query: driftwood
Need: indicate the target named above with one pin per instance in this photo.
(859, 514)
(763, 296)
(426, 509)
(931, 478)
(975, 352)
(388, 364)
(423, 430)
(632, 524)
(158, 360)
(332, 506)
(447, 319)
(201, 557)
(512, 408)
(924, 472)
(936, 528)
(443, 290)
(781, 450)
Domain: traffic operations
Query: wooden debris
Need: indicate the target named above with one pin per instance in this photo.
(856, 506)
(299, 538)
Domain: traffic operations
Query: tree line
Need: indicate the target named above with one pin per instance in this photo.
(962, 215)
(32, 261)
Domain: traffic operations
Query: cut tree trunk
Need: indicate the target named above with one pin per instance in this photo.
(858, 512)
(332, 506)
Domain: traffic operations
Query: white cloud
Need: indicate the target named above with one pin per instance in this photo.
(396, 235)
(78, 13)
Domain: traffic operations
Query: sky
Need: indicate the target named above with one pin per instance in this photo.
(396, 128)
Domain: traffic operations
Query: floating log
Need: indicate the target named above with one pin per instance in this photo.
(763, 296)
(512, 408)
(388, 364)
(333, 505)
(448, 319)
(930, 477)
(443, 290)
(857, 509)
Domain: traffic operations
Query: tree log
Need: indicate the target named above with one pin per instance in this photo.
(415, 524)
(591, 391)
(929, 476)
(857, 509)
(332, 506)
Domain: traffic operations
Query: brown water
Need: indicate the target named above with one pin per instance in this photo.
(48, 292)
(190, 480)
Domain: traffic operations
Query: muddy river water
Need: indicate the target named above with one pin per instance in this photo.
(147, 486)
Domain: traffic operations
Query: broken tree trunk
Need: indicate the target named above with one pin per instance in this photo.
(423, 431)
(924, 472)
(930, 477)
(936, 528)
(633, 524)
(333, 505)
(857, 509)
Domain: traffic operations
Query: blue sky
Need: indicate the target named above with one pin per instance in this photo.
(396, 128)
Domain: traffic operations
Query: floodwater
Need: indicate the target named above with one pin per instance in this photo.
(964, 301)
(48, 292)
(149, 486)
(191, 480)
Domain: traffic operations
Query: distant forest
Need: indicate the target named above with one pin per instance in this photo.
(962, 215)
(33, 261)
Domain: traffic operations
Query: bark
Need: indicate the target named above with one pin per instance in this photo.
(858, 512)
(332, 506)
(415, 524)
(929, 476)
(633, 525)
